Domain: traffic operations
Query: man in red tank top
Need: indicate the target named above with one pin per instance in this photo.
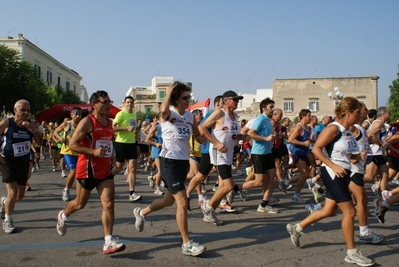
(93, 141)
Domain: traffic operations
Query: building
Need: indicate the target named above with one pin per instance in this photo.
(51, 70)
(321, 95)
(83, 95)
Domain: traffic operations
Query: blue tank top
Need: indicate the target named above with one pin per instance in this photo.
(16, 143)
(301, 150)
(205, 147)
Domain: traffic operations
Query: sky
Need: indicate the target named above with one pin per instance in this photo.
(217, 45)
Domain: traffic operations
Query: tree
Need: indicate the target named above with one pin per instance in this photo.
(394, 98)
(20, 80)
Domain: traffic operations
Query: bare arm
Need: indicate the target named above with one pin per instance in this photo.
(164, 112)
(297, 131)
(57, 137)
(150, 135)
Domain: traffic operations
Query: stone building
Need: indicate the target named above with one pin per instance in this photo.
(320, 95)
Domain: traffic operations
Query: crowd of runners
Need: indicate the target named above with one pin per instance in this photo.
(335, 159)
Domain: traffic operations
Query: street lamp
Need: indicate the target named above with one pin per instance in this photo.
(337, 96)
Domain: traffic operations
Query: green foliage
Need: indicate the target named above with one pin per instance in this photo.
(20, 80)
(394, 98)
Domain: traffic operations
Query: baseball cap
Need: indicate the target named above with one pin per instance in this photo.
(232, 94)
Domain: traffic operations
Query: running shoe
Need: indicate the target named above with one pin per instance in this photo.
(241, 172)
(358, 258)
(61, 224)
(8, 226)
(134, 197)
(151, 181)
(395, 180)
(371, 238)
(65, 195)
(379, 210)
(113, 246)
(385, 194)
(273, 201)
(267, 209)
(2, 208)
(316, 193)
(158, 192)
(215, 188)
(139, 224)
(230, 196)
(192, 248)
(310, 183)
(242, 194)
(297, 198)
(309, 208)
(54, 168)
(209, 215)
(291, 229)
(201, 201)
(283, 187)
(226, 208)
(376, 190)
(63, 174)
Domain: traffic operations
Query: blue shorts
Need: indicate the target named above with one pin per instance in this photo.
(70, 161)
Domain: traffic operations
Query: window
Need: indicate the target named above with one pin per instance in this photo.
(49, 78)
(161, 95)
(38, 70)
(59, 81)
(288, 106)
(147, 109)
(74, 89)
(67, 86)
(314, 105)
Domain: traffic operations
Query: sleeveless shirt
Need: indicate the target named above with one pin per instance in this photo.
(99, 167)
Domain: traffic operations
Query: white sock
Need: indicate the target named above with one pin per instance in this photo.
(314, 180)
(64, 217)
(141, 214)
(350, 252)
(363, 230)
(298, 229)
(107, 238)
(223, 201)
(7, 218)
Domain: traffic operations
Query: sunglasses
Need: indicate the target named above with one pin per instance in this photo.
(105, 102)
(186, 97)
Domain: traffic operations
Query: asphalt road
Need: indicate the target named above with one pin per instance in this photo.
(248, 238)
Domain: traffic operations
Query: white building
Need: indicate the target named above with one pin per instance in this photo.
(51, 70)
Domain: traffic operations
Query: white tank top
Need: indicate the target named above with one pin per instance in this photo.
(363, 144)
(227, 135)
(382, 135)
(176, 134)
(340, 149)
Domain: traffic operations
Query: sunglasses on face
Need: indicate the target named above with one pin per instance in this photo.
(105, 102)
(186, 97)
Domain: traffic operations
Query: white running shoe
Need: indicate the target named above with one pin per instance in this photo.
(65, 195)
(359, 259)
(158, 192)
(192, 249)
(134, 197)
(61, 224)
(139, 223)
(113, 246)
(8, 226)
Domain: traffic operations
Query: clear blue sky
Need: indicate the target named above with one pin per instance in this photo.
(217, 45)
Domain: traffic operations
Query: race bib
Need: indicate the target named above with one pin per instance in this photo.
(21, 149)
(107, 144)
(182, 131)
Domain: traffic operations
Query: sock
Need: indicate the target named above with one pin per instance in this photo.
(131, 192)
(350, 252)
(314, 180)
(64, 217)
(200, 196)
(264, 203)
(320, 190)
(107, 238)
(236, 189)
(188, 196)
(363, 230)
(141, 213)
(66, 188)
(7, 218)
(298, 229)
(207, 206)
(223, 202)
